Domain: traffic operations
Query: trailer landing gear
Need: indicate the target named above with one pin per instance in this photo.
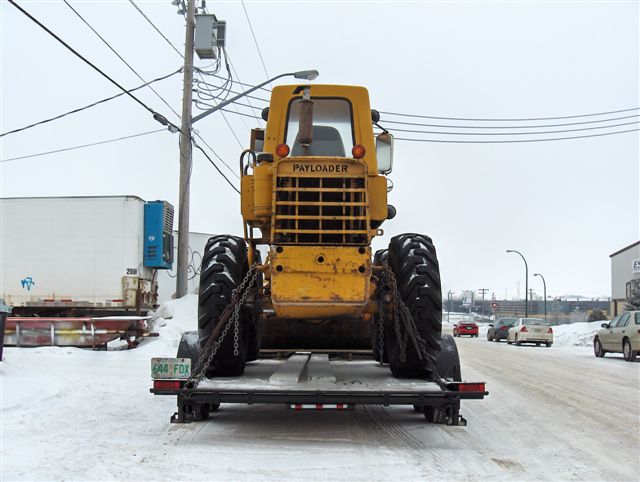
(189, 411)
(443, 415)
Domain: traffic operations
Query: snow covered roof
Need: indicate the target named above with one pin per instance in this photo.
(624, 249)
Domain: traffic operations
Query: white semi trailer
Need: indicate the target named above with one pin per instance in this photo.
(83, 255)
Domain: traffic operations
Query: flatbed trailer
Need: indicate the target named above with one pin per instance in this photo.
(308, 380)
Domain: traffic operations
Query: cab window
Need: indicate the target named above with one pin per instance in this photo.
(332, 128)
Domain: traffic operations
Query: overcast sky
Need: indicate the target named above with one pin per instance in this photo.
(566, 205)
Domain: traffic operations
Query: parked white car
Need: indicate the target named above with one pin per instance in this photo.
(530, 330)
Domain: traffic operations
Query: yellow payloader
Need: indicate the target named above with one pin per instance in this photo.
(303, 283)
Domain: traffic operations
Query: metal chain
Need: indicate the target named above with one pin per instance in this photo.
(380, 344)
(236, 330)
(390, 279)
(238, 299)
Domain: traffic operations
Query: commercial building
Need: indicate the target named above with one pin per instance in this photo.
(625, 276)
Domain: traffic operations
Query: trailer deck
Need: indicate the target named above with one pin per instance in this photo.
(312, 380)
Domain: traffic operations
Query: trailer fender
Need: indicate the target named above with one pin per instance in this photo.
(448, 360)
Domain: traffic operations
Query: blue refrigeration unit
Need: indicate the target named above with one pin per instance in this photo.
(158, 234)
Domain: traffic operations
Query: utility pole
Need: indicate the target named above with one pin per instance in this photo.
(483, 291)
(531, 297)
(185, 156)
(449, 293)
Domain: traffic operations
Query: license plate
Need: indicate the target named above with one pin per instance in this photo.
(172, 368)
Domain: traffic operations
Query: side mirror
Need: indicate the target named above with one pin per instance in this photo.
(384, 152)
(490, 325)
(605, 325)
(257, 140)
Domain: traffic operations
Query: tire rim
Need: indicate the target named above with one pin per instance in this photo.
(626, 349)
(598, 347)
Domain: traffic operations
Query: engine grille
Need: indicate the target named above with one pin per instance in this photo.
(320, 210)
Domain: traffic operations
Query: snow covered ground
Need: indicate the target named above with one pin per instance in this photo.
(76, 414)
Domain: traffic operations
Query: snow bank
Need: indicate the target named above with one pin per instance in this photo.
(170, 321)
(576, 334)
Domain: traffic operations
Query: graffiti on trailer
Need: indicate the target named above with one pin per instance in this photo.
(27, 283)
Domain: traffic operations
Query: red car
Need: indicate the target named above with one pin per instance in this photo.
(465, 328)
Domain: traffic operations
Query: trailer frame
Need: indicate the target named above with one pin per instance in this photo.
(438, 398)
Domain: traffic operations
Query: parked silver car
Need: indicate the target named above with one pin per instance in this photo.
(620, 335)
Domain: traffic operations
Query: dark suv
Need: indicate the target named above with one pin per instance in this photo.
(500, 329)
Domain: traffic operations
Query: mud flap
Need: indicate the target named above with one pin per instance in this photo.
(189, 347)
(447, 367)
(448, 361)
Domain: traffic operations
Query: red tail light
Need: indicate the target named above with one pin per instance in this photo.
(523, 329)
(550, 330)
(471, 387)
(503, 328)
(166, 384)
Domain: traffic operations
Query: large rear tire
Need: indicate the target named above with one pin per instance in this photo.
(413, 259)
(224, 265)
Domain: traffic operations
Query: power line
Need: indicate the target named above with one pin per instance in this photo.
(515, 141)
(216, 154)
(82, 146)
(80, 109)
(208, 91)
(156, 28)
(231, 128)
(249, 96)
(253, 109)
(386, 121)
(512, 133)
(510, 119)
(246, 85)
(214, 165)
(255, 40)
(241, 113)
(158, 117)
(119, 56)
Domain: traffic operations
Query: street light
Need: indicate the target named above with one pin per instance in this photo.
(302, 74)
(544, 284)
(526, 282)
